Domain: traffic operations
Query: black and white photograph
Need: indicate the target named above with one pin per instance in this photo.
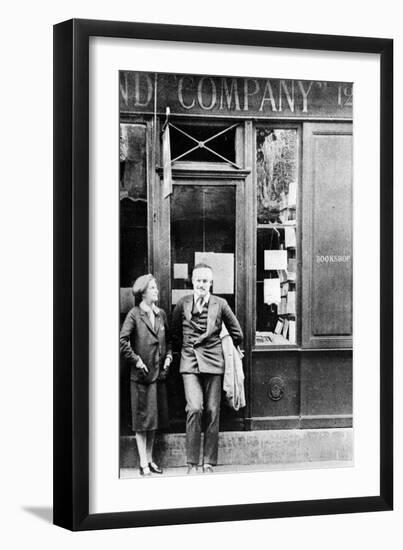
(235, 274)
(200, 222)
(223, 299)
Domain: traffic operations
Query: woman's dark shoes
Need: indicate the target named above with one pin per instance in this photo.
(145, 471)
(154, 468)
(192, 469)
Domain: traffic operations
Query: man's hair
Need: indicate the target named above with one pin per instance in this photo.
(201, 265)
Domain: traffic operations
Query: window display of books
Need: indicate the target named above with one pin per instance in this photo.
(276, 265)
(276, 305)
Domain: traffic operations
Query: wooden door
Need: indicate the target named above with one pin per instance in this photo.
(327, 235)
(206, 224)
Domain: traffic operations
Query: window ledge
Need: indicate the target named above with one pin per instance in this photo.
(216, 169)
(295, 348)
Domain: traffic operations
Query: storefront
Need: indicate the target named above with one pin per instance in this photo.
(262, 190)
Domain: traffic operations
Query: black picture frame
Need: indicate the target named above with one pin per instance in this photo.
(71, 274)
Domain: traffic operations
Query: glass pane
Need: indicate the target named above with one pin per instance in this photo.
(133, 181)
(203, 229)
(224, 144)
(133, 204)
(277, 174)
(276, 265)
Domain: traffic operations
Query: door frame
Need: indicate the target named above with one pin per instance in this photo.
(207, 175)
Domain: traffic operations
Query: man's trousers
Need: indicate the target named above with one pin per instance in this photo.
(203, 396)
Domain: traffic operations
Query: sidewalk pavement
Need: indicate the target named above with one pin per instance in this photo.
(130, 473)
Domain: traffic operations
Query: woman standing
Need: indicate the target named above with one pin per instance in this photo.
(145, 344)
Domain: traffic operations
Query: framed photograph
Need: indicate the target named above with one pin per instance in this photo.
(223, 226)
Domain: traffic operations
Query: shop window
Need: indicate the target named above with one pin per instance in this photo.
(276, 265)
(133, 205)
(133, 235)
(207, 143)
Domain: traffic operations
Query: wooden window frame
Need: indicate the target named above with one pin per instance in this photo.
(277, 125)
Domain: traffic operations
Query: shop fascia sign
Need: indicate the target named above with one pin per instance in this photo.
(234, 96)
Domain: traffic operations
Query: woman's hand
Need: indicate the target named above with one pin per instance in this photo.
(165, 369)
(142, 366)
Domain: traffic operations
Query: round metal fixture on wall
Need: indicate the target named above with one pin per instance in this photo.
(276, 388)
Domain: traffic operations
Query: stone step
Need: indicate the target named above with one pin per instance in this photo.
(252, 447)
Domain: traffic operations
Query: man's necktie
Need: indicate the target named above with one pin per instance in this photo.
(199, 303)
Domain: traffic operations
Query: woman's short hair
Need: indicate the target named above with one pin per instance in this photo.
(141, 284)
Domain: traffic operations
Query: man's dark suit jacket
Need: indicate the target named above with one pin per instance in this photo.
(202, 353)
(139, 339)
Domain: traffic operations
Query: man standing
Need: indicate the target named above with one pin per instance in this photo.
(196, 325)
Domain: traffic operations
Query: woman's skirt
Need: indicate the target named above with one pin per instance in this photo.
(149, 406)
